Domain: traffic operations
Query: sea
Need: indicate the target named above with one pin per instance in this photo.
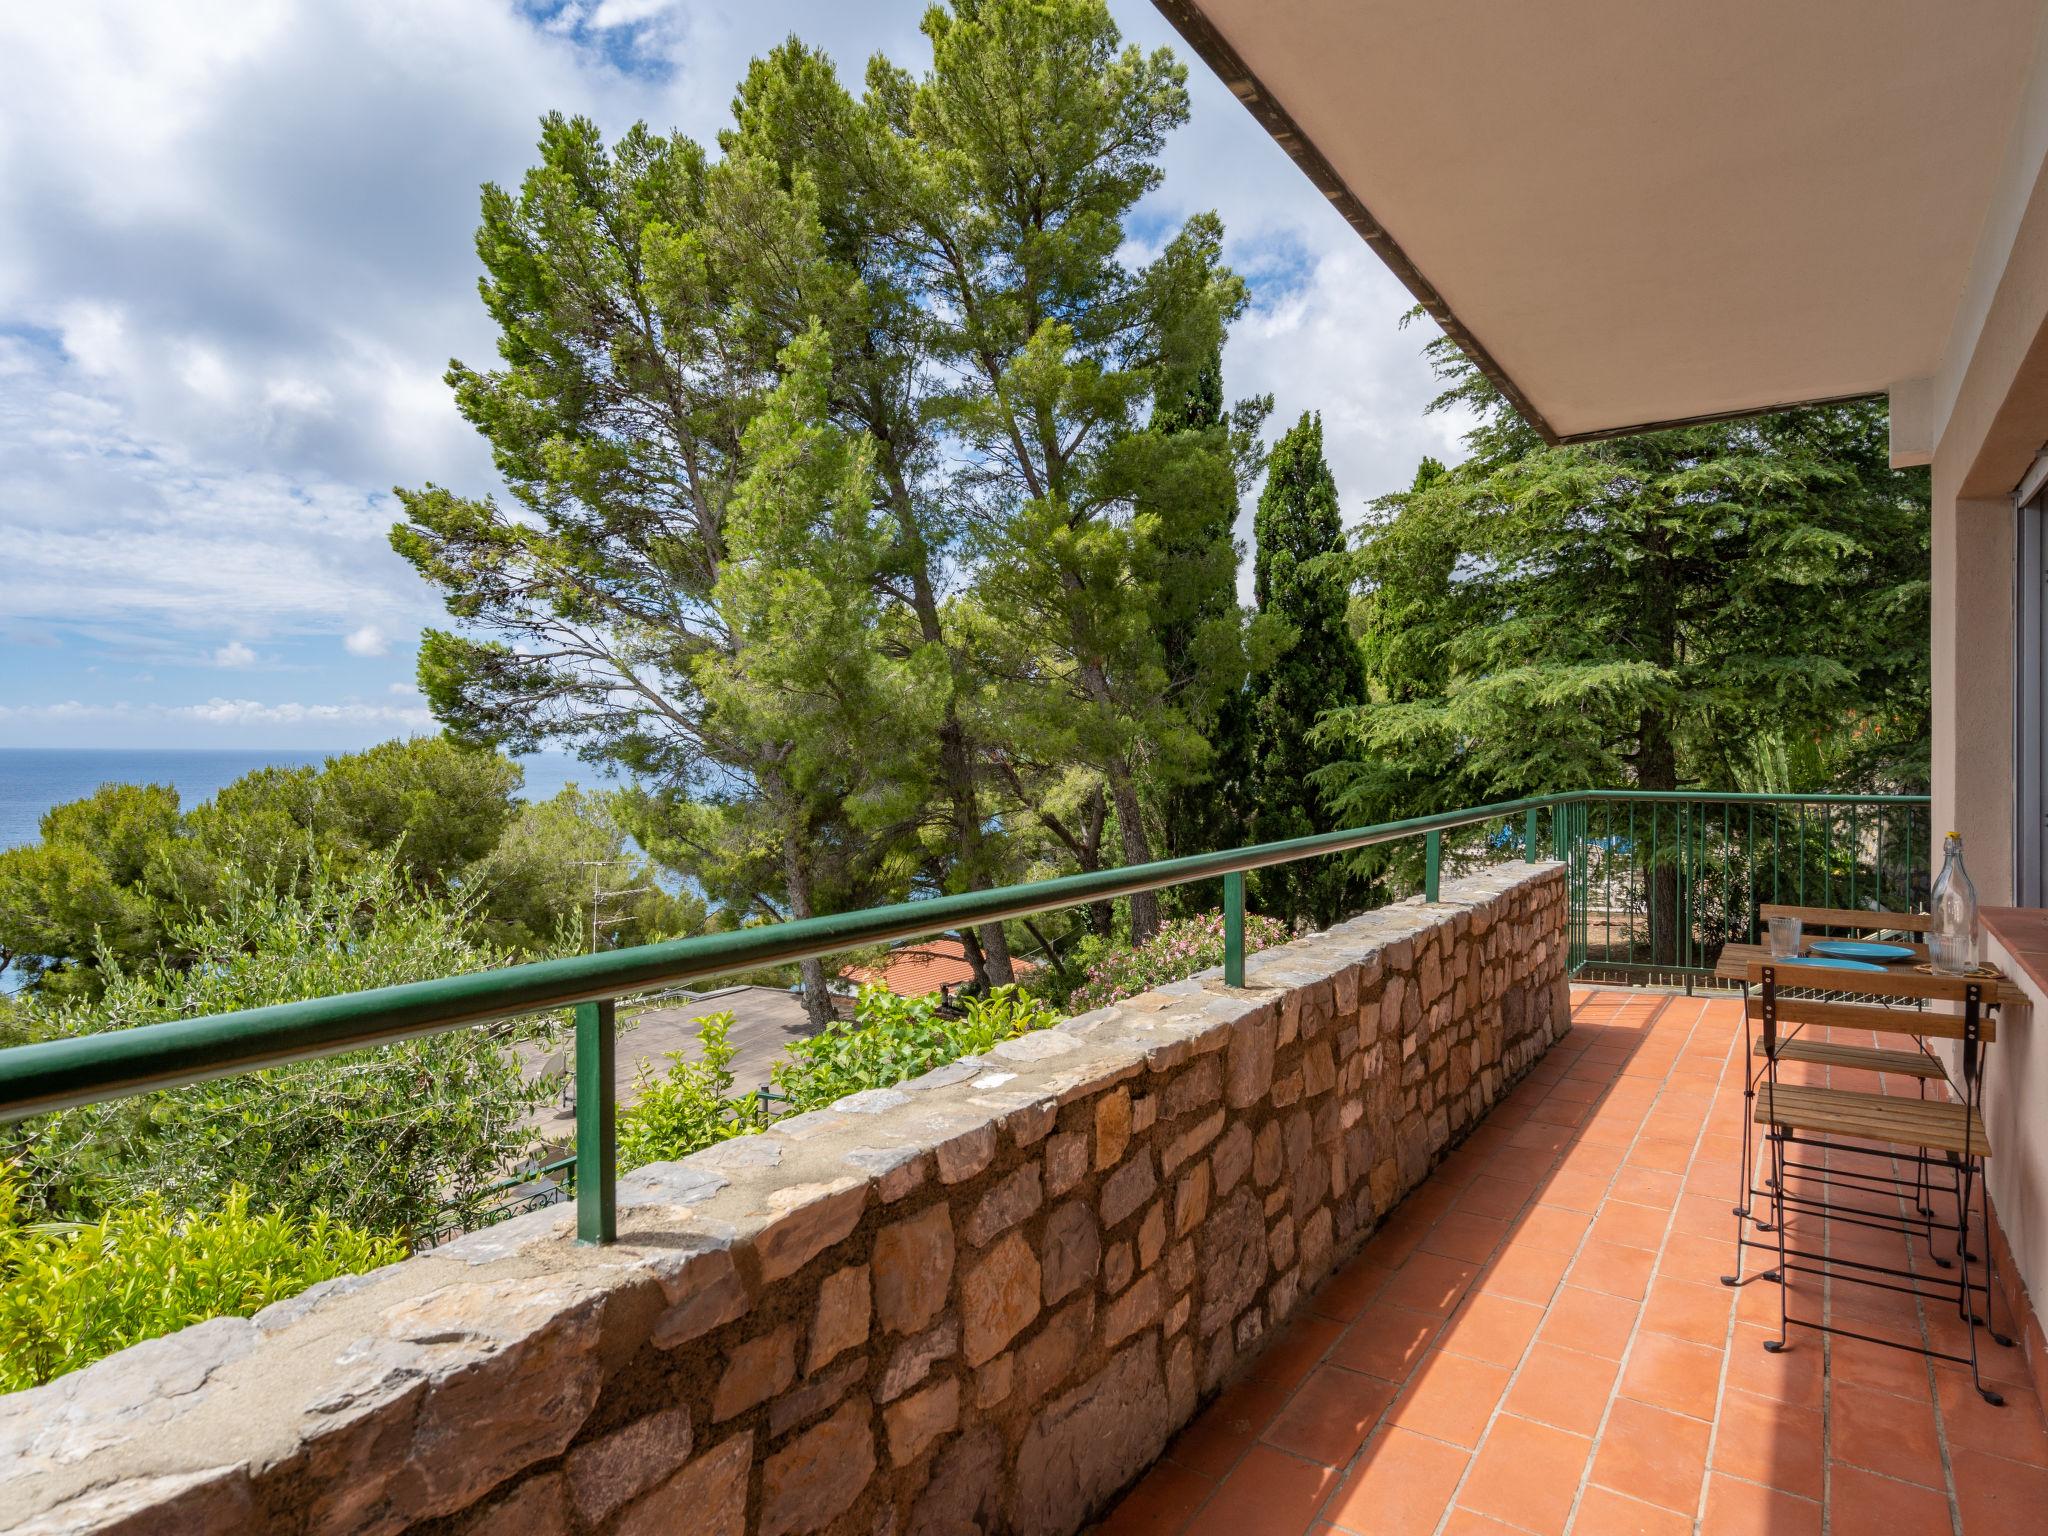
(32, 779)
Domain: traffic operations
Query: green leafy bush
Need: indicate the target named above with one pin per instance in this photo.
(891, 1038)
(389, 1139)
(689, 1106)
(1182, 947)
(888, 1039)
(72, 1292)
(112, 871)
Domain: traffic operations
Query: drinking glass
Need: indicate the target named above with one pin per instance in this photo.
(1785, 933)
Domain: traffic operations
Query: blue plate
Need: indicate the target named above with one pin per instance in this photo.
(1860, 949)
(1833, 965)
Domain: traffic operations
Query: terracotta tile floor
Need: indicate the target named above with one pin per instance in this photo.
(1537, 1341)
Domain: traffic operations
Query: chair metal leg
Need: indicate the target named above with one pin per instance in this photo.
(1923, 1191)
(1741, 1215)
(1745, 1172)
(1962, 1199)
(1966, 1296)
(1781, 1274)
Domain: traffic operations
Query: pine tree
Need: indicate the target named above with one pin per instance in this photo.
(1299, 581)
(983, 348)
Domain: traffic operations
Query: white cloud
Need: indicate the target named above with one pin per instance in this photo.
(95, 336)
(626, 13)
(251, 712)
(367, 641)
(68, 709)
(234, 654)
(105, 524)
(221, 346)
(1297, 345)
(226, 712)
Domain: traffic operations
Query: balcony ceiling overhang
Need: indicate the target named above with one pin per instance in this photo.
(1634, 215)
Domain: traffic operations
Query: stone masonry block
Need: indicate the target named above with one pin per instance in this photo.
(913, 1268)
(999, 1296)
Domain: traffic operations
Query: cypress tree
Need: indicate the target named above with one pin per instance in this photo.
(1299, 580)
(1199, 626)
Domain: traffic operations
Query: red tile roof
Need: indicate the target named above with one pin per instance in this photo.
(915, 969)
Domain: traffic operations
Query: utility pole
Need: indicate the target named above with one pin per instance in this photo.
(600, 895)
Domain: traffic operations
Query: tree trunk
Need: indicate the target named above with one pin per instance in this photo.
(1137, 850)
(1100, 918)
(995, 952)
(1051, 954)
(796, 874)
(1657, 768)
(817, 992)
(1123, 794)
(956, 753)
(957, 764)
(970, 945)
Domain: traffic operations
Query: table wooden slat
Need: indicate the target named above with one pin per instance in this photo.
(1741, 962)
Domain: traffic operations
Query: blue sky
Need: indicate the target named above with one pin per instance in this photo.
(235, 258)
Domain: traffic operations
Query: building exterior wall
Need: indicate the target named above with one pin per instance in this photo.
(1971, 660)
(979, 1302)
(1989, 438)
(2015, 1089)
(1998, 423)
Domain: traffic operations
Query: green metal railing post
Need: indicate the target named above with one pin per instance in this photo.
(1529, 837)
(1233, 928)
(597, 1151)
(1432, 865)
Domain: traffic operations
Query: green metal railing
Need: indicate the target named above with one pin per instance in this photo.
(59, 1074)
(1660, 881)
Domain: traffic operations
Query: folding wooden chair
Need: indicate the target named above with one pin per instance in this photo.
(1906, 927)
(1931, 1134)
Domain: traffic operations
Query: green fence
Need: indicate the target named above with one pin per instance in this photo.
(1661, 881)
(1644, 901)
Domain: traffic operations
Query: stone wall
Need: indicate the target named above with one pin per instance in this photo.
(982, 1301)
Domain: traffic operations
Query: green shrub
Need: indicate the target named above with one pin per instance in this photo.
(891, 1038)
(72, 1292)
(1183, 946)
(689, 1106)
(390, 1139)
(888, 1039)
